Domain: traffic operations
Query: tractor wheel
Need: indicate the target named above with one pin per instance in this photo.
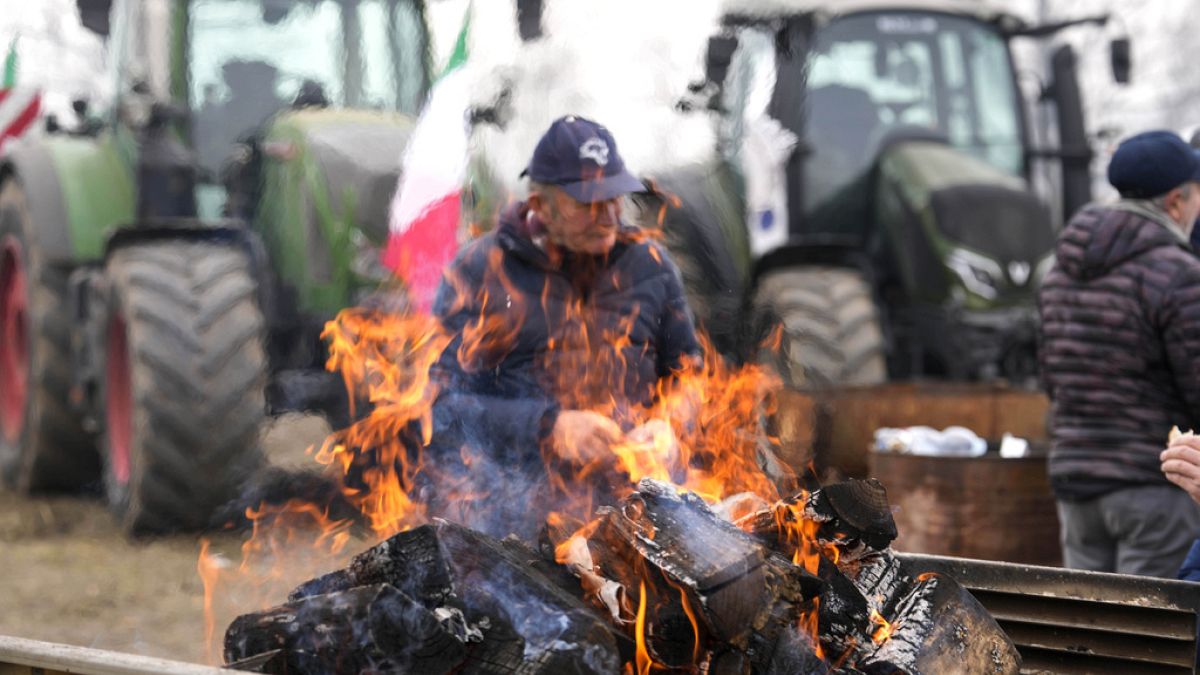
(830, 327)
(43, 445)
(185, 371)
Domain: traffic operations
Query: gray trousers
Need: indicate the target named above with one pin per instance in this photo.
(1140, 530)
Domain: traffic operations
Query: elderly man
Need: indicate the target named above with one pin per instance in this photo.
(561, 310)
(1120, 358)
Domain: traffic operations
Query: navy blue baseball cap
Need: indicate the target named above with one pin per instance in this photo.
(580, 156)
(1152, 163)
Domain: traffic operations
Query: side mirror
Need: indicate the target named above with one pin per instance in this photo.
(162, 114)
(719, 56)
(529, 19)
(94, 15)
(1120, 52)
(274, 11)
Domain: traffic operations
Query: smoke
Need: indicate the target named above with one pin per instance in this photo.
(622, 63)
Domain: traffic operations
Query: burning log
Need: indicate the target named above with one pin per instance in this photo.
(504, 614)
(411, 561)
(808, 585)
(714, 564)
(366, 629)
(850, 525)
(938, 627)
(560, 632)
(710, 583)
(854, 515)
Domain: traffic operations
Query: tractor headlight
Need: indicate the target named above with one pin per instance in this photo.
(979, 274)
(1042, 269)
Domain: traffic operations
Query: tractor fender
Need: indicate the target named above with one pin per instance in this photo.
(227, 231)
(78, 190)
(821, 249)
(31, 165)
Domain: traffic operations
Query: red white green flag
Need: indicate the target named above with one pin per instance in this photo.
(425, 210)
(19, 106)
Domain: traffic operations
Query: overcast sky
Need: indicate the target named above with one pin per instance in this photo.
(57, 54)
(66, 60)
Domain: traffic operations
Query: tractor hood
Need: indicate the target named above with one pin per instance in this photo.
(357, 156)
(969, 202)
(958, 222)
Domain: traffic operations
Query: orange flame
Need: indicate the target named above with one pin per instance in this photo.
(209, 569)
(699, 429)
(691, 615)
(643, 656)
(884, 631)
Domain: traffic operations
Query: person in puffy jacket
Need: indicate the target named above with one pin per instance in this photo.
(1120, 361)
(561, 307)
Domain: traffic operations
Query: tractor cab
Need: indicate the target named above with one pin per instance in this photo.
(233, 69)
(877, 78)
(906, 166)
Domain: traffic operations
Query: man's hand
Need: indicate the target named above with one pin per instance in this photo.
(583, 437)
(1181, 464)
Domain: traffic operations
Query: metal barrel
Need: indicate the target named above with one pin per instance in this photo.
(973, 507)
(834, 428)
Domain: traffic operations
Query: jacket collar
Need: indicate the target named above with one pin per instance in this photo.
(1151, 211)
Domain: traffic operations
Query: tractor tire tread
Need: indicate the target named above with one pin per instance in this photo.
(197, 331)
(831, 326)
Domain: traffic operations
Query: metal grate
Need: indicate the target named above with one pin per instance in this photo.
(1071, 621)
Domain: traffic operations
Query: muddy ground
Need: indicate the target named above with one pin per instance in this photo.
(67, 574)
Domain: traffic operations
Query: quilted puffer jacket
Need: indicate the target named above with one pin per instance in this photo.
(1120, 347)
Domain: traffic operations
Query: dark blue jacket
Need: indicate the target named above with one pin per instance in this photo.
(1190, 570)
(504, 377)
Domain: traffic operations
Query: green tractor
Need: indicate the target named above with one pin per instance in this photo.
(166, 267)
(874, 192)
(875, 203)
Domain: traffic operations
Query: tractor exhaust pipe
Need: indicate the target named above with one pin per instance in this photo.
(1076, 152)
(166, 171)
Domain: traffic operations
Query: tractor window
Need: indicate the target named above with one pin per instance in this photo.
(871, 75)
(248, 59)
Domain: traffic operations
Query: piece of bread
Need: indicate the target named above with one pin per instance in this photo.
(1176, 434)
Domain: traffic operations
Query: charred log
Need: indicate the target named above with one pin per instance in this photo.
(858, 509)
(843, 612)
(528, 615)
(561, 633)
(853, 515)
(939, 627)
(370, 628)
(411, 561)
(708, 584)
(704, 595)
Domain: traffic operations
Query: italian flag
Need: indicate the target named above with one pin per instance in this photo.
(425, 210)
(19, 108)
